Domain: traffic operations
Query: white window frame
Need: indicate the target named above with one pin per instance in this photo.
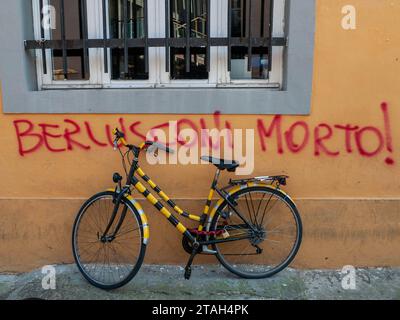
(158, 78)
(46, 81)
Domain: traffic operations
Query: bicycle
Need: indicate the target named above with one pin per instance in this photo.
(111, 231)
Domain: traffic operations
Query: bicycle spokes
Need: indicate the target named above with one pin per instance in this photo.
(107, 259)
(272, 239)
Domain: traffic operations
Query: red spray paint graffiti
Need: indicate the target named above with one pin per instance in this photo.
(324, 133)
(38, 136)
(366, 141)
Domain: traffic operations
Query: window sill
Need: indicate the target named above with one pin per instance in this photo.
(69, 86)
(177, 85)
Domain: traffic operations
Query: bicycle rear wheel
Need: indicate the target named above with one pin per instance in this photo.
(273, 243)
(105, 262)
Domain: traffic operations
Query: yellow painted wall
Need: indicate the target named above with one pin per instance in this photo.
(349, 203)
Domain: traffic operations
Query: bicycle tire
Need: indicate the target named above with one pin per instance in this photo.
(286, 262)
(76, 249)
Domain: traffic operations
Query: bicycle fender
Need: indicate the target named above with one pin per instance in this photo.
(236, 189)
(143, 217)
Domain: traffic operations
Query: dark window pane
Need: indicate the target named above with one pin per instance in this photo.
(198, 29)
(199, 19)
(75, 63)
(135, 19)
(135, 30)
(259, 64)
(73, 30)
(238, 18)
(178, 18)
(242, 24)
(259, 18)
(198, 69)
(136, 66)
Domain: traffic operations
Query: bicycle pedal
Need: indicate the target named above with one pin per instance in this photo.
(188, 273)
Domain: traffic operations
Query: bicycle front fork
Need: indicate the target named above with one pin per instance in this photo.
(117, 200)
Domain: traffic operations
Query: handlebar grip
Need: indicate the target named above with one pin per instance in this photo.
(120, 136)
(118, 133)
(157, 145)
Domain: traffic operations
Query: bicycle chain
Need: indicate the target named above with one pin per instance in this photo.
(206, 233)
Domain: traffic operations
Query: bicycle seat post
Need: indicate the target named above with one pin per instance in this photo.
(216, 177)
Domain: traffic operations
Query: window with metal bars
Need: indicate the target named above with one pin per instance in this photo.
(135, 43)
(127, 20)
(189, 20)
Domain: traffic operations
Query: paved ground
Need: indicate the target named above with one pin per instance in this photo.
(208, 283)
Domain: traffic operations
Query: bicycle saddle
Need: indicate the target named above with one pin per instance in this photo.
(222, 164)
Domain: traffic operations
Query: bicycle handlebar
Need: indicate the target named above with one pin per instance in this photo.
(119, 137)
(149, 145)
(152, 146)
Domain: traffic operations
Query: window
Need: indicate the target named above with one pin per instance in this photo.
(255, 24)
(68, 60)
(189, 62)
(126, 19)
(159, 43)
(70, 25)
(25, 71)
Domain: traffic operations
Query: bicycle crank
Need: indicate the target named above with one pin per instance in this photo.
(188, 268)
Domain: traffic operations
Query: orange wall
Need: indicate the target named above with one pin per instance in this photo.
(354, 73)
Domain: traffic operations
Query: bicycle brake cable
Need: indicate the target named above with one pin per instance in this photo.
(123, 161)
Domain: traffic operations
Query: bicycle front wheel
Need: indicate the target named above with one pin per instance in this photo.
(272, 241)
(108, 261)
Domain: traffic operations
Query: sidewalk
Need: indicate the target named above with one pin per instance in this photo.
(208, 283)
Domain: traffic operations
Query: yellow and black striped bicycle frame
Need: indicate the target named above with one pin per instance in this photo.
(160, 207)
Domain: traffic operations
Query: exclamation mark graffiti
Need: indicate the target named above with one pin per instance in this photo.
(388, 133)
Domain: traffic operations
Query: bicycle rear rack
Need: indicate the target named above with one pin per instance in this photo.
(281, 180)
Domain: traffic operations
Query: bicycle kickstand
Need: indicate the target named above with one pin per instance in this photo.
(188, 268)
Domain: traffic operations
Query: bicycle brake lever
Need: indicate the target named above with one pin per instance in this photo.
(153, 149)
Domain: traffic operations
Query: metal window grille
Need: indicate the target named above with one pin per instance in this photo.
(249, 41)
